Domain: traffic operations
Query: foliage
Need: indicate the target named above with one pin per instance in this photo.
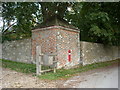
(51, 8)
(97, 21)
(19, 18)
(61, 73)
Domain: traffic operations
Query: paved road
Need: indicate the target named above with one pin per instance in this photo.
(100, 78)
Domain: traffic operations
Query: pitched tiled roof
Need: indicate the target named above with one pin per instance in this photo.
(55, 21)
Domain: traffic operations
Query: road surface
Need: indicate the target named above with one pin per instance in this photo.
(100, 78)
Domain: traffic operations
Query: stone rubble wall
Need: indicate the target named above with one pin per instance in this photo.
(119, 52)
(21, 50)
(94, 52)
(17, 50)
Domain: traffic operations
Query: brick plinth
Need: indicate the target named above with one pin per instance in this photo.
(57, 40)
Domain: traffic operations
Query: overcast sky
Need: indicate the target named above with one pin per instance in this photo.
(1, 22)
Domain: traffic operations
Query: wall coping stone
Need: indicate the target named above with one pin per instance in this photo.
(98, 43)
(24, 39)
(57, 27)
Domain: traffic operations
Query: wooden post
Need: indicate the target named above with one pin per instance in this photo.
(55, 64)
(38, 60)
(40, 67)
(54, 70)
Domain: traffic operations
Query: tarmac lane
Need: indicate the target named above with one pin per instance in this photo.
(106, 77)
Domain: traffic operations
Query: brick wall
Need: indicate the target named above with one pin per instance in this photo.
(57, 40)
(67, 40)
(46, 39)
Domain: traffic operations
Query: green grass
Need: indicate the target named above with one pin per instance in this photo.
(61, 73)
(18, 66)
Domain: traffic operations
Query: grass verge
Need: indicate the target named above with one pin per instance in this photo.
(61, 73)
(18, 66)
(64, 74)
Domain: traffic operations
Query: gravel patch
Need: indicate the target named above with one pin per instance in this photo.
(13, 79)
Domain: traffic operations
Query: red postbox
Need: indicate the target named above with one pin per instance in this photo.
(69, 55)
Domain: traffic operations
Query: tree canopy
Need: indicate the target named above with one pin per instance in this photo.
(97, 21)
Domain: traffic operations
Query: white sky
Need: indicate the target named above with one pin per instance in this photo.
(1, 23)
